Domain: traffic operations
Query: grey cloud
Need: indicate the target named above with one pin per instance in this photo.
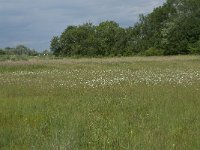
(34, 22)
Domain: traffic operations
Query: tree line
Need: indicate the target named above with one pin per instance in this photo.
(22, 50)
(171, 29)
(18, 50)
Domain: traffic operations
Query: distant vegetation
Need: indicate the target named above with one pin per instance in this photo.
(18, 50)
(171, 29)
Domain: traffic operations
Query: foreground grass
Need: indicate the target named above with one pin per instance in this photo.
(124, 103)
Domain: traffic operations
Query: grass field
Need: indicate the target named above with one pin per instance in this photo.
(138, 103)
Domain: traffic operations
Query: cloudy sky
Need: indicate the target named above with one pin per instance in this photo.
(34, 22)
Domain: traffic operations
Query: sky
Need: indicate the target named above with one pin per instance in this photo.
(34, 22)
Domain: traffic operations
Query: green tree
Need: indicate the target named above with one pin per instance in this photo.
(182, 28)
(108, 36)
(79, 40)
(55, 46)
(21, 50)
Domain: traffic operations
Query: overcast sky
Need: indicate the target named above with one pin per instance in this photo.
(34, 22)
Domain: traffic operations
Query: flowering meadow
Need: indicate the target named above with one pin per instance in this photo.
(128, 103)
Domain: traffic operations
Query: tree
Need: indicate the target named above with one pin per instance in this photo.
(21, 50)
(182, 28)
(109, 36)
(67, 40)
(79, 40)
(55, 46)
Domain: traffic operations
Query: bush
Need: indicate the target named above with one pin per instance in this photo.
(195, 48)
(154, 52)
(4, 57)
(2, 52)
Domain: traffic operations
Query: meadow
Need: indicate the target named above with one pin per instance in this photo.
(133, 103)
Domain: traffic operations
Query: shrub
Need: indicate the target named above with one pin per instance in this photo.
(195, 48)
(2, 52)
(154, 52)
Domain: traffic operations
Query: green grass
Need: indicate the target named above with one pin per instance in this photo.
(13, 58)
(113, 104)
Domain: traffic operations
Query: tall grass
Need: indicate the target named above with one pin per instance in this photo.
(121, 103)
